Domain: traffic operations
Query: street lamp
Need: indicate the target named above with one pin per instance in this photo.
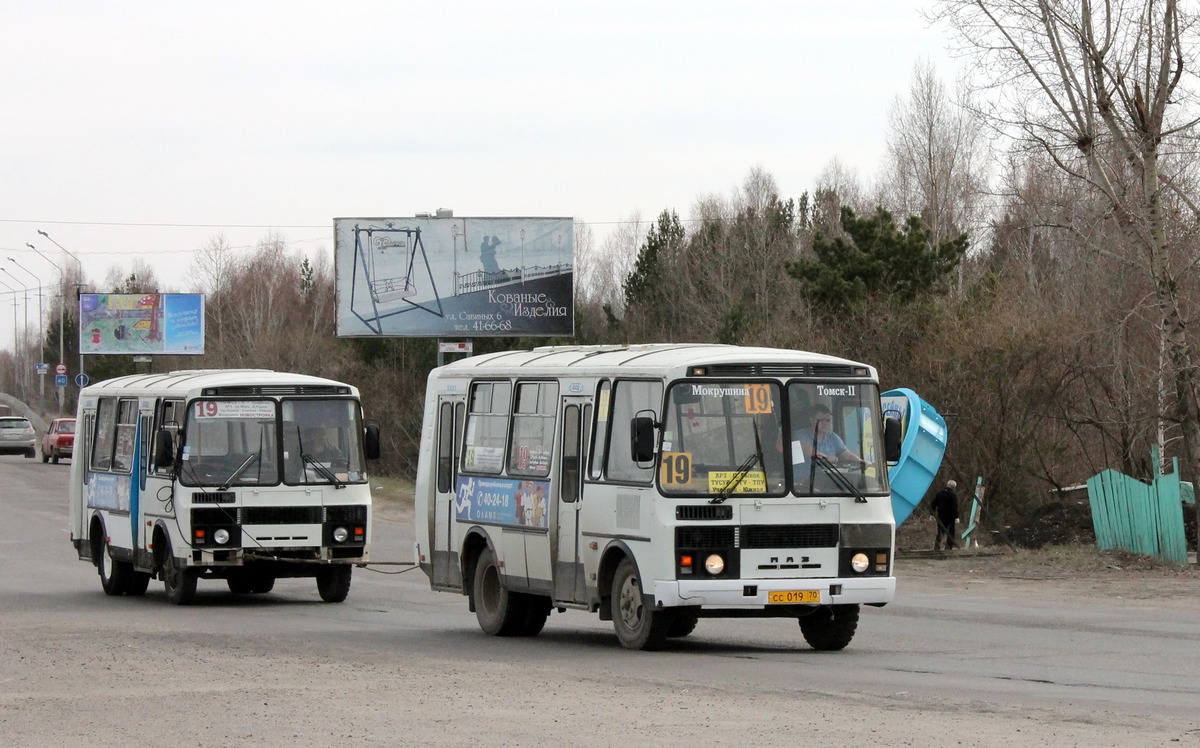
(63, 296)
(25, 334)
(41, 339)
(16, 348)
(62, 303)
(80, 262)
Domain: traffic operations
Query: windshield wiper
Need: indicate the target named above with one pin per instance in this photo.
(838, 477)
(743, 470)
(322, 471)
(237, 473)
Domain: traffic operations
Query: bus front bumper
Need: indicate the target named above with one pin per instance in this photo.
(756, 593)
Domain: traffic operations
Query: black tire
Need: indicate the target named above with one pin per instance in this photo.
(537, 610)
(31, 453)
(499, 612)
(115, 575)
(53, 457)
(333, 582)
(179, 581)
(239, 583)
(261, 584)
(139, 582)
(638, 626)
(46, 458)
(830, 628)
(684, 623)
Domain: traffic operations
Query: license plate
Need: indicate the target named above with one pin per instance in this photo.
(792, 597)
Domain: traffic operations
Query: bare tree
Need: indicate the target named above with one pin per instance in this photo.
(936, 160)
(1099, 89)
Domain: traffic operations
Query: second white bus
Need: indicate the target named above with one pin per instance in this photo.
(241, 475)
(657, 485)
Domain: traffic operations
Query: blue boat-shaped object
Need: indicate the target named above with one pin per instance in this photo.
(921, 451)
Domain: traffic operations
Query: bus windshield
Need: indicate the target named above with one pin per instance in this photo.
(230, 442)
(237, 443)
(735, 438)
(322, 442)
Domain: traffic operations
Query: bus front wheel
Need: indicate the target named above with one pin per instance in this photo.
(830, 627)
(638, 625)
(333, 583)
(179, 581)
(499, 611)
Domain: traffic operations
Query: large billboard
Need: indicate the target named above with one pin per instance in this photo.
(168, 323)
(454, 277)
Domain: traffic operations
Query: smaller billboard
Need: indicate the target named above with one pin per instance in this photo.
(168, 323)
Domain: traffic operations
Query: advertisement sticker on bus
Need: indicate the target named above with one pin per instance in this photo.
(502, 501)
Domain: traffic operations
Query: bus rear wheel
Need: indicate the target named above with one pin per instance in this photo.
(115, 575)
(333, 583)
(830, 628)
(139, 582)
(638, 625)
(499, 611)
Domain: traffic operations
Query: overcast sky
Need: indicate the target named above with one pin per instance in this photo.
(141, 130)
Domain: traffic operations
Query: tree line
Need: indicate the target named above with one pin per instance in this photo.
(1025, 259)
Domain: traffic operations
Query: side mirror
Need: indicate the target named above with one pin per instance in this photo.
(371, 440)
(642, 439)
(164, 449)
(892, 439)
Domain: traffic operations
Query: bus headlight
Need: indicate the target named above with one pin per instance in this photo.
(714, 564)
(221, 536)
(340, 534)
(859, 563)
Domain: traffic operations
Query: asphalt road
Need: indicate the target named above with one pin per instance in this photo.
(399, 665)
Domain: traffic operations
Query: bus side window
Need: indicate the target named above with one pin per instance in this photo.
(570, 452)
(630, 397)
(126, 435)
(170, 415)
(105, 434)
(445, 453)
(145, 431)
(487, 427)
(533, 429)
(599, 438)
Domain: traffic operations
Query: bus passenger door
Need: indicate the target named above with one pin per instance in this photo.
(444, 555)
(569, 579)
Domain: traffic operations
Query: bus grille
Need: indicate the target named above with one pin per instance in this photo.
(789, 536)
(704, 537)
(704, 512)
(346, 513)
(281, 515)
(213, 497)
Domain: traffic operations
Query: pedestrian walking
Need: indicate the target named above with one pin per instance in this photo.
(945, 509)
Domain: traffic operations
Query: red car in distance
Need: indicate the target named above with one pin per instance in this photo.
(59, 440)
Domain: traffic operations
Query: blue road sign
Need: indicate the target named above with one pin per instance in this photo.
(60, 380)
(81, 379)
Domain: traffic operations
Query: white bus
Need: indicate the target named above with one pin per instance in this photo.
(245, 475)
(657, 485)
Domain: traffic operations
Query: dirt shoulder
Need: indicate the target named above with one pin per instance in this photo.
(1054, 572)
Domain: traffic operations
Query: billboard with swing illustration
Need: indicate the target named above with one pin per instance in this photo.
(440, 276)
(153, 323)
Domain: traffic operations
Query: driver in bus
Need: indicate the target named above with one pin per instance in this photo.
(321, 444)
(817, 431)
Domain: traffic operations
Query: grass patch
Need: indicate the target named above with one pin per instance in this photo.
(397, 492)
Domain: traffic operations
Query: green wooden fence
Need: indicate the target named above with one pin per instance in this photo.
(1145, 519)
